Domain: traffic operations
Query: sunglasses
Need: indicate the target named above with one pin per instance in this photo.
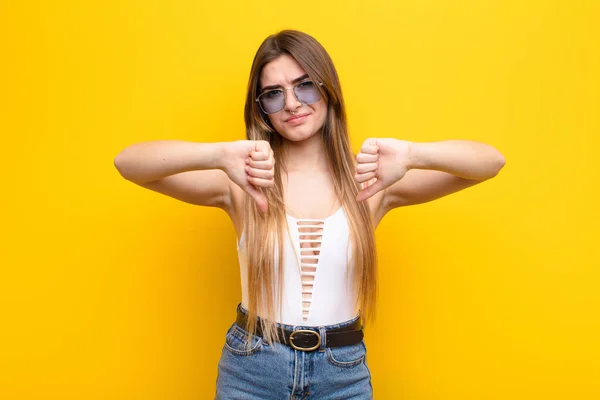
(273, 101)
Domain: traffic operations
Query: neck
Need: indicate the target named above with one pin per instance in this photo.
(306, 156)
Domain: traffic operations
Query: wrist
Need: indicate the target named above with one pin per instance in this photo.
(205, 156)
(221, 155)
(413, 154)
(418, 155)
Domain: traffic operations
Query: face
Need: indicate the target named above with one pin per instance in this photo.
(284, 73)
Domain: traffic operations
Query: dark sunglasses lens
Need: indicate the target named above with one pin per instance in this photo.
(307, 92)
(272, 101)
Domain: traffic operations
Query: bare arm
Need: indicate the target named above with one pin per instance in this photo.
(437, 169)
(151, 161)
(413, 173)
(198, 173)
(187, 171)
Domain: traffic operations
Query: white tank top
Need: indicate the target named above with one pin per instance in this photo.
(317, 282)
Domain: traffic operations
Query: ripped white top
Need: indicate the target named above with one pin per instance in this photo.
(317, 282)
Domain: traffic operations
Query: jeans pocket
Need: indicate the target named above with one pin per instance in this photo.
(236, 341)
(347, 356)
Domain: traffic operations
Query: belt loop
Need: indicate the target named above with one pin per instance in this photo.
(323, 338)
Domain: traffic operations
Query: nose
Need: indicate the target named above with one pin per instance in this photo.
(291, 102)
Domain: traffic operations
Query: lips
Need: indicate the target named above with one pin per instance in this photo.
(294, 117)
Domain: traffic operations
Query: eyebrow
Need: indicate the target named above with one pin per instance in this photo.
(300, 78)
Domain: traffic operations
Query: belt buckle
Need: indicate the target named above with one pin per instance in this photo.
(305, 348)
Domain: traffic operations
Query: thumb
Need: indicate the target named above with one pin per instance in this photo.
(370, 190)
(258, 197)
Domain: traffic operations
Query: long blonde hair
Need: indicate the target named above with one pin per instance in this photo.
(263, 232)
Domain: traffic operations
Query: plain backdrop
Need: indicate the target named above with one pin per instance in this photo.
(111, 291)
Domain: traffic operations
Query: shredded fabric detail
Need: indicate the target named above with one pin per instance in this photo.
(310, 238)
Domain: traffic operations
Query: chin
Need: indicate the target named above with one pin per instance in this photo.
(298, 135)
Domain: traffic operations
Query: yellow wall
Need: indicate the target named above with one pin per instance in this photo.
(109, 291)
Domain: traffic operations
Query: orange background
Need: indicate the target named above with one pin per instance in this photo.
(110, 291)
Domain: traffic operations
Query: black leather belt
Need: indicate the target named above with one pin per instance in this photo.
(310, 339)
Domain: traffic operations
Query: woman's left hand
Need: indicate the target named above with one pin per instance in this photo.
(381, 163)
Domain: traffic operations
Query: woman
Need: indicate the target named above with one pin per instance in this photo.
(295, 189)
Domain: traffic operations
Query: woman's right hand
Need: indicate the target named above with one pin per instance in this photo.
(250, 165)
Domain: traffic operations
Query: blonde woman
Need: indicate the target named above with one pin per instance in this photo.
(305, 209)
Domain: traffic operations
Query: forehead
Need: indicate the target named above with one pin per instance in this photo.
(282, 70)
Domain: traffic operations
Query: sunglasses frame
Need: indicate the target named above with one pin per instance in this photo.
(285, 90)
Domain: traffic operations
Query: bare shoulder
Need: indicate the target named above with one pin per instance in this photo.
(236, 208)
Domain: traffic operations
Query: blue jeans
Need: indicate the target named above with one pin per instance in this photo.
(277, 371)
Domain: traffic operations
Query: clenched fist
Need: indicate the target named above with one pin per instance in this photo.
(380, 163)
(250, 165)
